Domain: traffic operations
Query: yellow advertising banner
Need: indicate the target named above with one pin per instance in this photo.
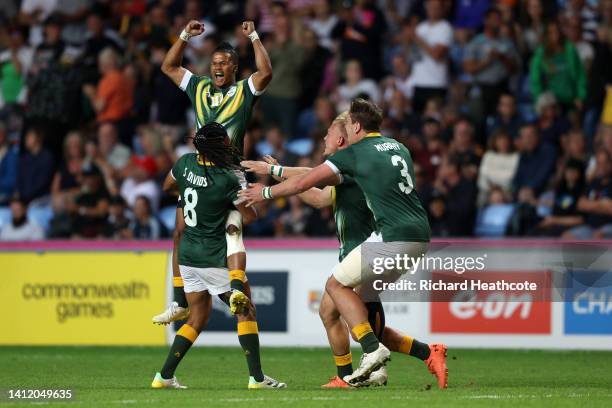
(82, 298)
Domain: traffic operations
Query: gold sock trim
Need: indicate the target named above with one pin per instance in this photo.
(237, 274)
(344, 360)
(177, 282)
(247, 328)
(406, 344)
(361, 330)
(187, 332)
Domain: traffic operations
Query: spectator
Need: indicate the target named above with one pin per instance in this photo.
(323, 23)
(432, 39)
(463, 151)
(566, 195)
(556, 67)
(91, 204)
(33, 13)
(114, 153)
(573, 29)
(144, 225)
(438, 217)
(274, 146)
(15, 62)
(113, 98)
(316, 59)
(534, 27)
(67, 178)
(460, 196)
(587, 16)
(600, 80)
(498, 166)
(280, 102)
(596, 203)
(35, 168)
(360, 31)
(506, 118)
(9, 158)
(20, 228)
(355, 86)
(429, 152)
(140, 182)
(294, 222)
(490, 59)
(118, 223)
(98, 38)
(551, 124)
(536, 162)
(61, 225)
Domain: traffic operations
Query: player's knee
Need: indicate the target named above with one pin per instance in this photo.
(327, 314)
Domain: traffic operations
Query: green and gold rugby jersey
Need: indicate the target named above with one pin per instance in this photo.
(231, 106)
(354, 220)
(382, 168)
(208, 193)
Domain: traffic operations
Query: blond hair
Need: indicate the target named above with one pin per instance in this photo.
(340, 120)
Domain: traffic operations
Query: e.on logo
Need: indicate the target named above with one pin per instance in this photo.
(495, 311)
(496, 305)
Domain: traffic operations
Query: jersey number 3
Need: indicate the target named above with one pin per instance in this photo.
(191, 200)
(408, 186)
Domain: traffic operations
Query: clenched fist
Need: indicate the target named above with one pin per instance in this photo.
(248, 27)
(194, 28)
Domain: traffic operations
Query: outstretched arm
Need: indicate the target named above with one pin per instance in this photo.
(171, 66)
(322, 174)
(315, 197)
(263, 75)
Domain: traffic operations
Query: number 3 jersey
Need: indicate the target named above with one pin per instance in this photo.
(208, 193)
(230, 106)
(382, 168)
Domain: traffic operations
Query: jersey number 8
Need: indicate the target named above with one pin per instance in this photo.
(408, 186)
(191, 200)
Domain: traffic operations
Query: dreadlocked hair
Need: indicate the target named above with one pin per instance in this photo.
(211, 142)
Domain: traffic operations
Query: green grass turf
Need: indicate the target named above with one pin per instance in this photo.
(121, 376)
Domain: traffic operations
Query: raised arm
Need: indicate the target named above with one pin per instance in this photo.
(171, 66)
(263, 75)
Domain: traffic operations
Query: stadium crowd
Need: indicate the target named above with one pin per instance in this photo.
(506, 107)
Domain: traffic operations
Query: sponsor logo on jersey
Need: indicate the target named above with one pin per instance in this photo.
(588, 302)
(468, 311)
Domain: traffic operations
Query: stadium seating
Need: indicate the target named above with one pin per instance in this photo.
(167, 216)
(493, 220)
(41, 216)
(5, 216)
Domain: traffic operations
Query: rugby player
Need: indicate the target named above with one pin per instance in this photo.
(354, 224)
(208, 183)
(382, 168)
(218, 98)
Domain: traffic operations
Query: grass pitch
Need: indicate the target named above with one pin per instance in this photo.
(121, 376)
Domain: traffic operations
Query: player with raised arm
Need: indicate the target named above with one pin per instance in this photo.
(218, 98)
(208, 183)
(354, 224)
(382, 168)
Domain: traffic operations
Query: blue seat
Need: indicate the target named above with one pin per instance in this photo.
(167, 216)
(41, 216)
(492, 220)
(5, 216)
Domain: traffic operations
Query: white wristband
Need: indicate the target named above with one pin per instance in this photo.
(253, 36)
(185, 36)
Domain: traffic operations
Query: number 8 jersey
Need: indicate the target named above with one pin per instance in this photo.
(382, 168)
(208, 193)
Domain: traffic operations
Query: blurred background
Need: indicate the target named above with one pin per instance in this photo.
(506, 107)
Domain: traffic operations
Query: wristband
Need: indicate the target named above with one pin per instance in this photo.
(253, 36)
(276, 170)
(267, 193)
(185, 36)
